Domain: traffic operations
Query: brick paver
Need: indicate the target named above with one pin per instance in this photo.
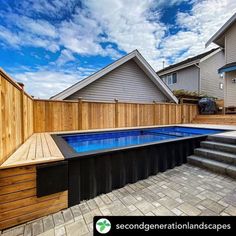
(184, 190)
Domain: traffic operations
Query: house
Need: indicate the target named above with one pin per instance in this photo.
(129, 79)
(225, 37)
(197, 74)
(212, 73)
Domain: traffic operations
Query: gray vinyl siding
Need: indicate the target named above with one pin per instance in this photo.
(230, 45)
(210, 79)
(230, 89)
(125, 83)
(187, 79)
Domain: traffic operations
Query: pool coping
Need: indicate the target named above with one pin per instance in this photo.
(69, 153)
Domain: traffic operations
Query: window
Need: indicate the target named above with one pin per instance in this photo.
(170, 79)
(174, 78)
(221, 86)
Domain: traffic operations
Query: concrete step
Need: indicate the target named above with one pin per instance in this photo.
(222, 139)
(224, 147)
(224, 157)
(212, 165)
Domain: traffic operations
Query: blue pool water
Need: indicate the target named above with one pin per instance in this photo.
(90, 142)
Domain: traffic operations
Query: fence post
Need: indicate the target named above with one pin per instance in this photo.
(22, 116)
(80, 115)
(154, 113)
(116, 113)
(137, 113)
(182, 114)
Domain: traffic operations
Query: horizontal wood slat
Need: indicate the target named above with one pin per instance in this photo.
(32, 206)
(17, 171)
(17, 187)
(18, 200)
(33, 215)
(23, 203)
(18, 195)
(12, 180)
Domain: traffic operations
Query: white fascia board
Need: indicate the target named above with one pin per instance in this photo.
(221, 31)
(192, 63)
(155, 78)
(210, 55)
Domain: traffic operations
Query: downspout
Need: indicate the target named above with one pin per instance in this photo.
(199, 81)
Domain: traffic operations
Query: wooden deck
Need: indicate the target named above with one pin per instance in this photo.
(39, 148)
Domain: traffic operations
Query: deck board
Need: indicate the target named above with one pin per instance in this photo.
(39, 148)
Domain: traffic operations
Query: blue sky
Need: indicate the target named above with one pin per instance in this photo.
(50, 45)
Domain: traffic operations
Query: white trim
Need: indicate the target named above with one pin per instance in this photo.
(139, 59)
(166, 78)
(192, 63)
(221, 31)
(210, 55)
(183, 66)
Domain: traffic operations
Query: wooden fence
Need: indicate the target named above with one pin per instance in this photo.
(83, 115)
(16, 116)
(21, 116)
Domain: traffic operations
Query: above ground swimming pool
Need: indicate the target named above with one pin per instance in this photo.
(88, 143)
(98, 162)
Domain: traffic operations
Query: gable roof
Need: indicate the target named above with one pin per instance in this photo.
(138, 58)
(185, 63)
(217, 37)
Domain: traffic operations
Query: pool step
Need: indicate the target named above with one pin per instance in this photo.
(224, 147)
(218, 154)
(222, 139)
(223, 157)
(212, 165)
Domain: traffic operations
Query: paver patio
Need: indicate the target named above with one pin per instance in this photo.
(184, 190)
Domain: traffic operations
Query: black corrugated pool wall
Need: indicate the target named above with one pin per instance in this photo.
(101, 173)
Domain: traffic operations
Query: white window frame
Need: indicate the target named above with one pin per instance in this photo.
(169, 79)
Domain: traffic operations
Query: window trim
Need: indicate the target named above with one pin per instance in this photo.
(169, 79)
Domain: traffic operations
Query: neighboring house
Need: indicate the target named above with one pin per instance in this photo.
(197, 74)
(129, 79)
(225, 37)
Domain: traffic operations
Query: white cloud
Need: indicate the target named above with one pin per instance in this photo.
(39, 27)
(32, 26)
(21, 38)
(7, 36)
(111, 52)
(126, 24)
(53, 8)
(80, 34)
(66, 56)
(45, 83)
(81, 37)
(197, 26)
